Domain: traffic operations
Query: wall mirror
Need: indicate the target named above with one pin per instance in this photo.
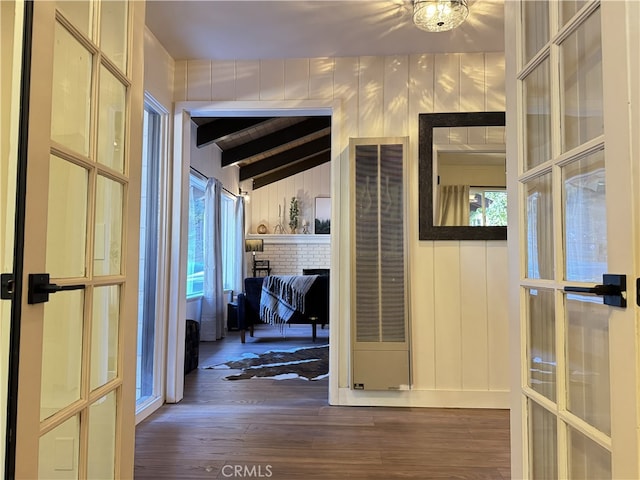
(462, 176)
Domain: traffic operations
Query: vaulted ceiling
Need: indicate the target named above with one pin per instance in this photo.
(268, 149)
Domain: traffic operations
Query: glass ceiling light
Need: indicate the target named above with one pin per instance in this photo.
(439, 15)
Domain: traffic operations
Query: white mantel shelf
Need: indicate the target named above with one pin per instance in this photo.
(291, 238)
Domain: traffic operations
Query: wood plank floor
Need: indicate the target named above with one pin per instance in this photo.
(286, 429)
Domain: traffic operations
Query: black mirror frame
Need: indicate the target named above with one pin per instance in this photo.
(427, 122)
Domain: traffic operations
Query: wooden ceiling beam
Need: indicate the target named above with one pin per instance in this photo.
(221, 127)
(273, 140)
(292, 169)
(282, 159)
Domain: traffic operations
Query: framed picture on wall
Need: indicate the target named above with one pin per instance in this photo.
(323, 215)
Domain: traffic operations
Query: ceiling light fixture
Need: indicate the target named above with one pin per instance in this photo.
(439, 15)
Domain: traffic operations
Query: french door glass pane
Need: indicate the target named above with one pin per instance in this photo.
(111, 111)
(536, 27)
(108, 229)
(113, 31)
(102, 438)
(539, 227)
(588, 387)
(78, 13)
(542, 342)
(59, 451)
(104, 335)
(538, 116)
(61, 351)
(66, 224)
(71, 108)
(543, 448)
(569, 8)
(582, 81)
(585, 218)
(587, 459)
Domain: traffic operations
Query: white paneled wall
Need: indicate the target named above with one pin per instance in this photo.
(266, 203)
(458, 289)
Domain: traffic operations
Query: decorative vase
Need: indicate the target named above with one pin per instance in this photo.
(293, 214)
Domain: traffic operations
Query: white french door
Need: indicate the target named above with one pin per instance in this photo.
(76, 387)
(578, 382)
(12, 27)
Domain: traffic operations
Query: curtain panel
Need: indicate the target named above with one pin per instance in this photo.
(212, 317)
(454, 205)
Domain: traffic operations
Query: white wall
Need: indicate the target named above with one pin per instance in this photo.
(476, 175)
(306, 186)
(158, 71)
(458, 288)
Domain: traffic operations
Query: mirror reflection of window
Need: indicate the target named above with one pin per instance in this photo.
(487, 207)
(470, 169)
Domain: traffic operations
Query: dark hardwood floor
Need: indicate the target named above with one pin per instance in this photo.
(285, 429)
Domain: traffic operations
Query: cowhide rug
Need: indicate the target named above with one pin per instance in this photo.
(310, 363)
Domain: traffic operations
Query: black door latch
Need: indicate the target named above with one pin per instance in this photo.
(613, 290)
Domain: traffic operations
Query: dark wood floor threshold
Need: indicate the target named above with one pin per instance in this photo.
(285, 429)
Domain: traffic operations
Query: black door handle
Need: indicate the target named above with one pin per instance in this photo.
(597, 290)
(40, 288)
(613, 289)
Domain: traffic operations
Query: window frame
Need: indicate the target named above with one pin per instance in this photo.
(195, 181)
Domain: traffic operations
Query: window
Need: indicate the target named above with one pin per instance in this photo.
(195, 249)
(150, 298)
(230, 255)
(487, 206)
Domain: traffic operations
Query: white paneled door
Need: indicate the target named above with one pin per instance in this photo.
(579, 345)
(76, 387)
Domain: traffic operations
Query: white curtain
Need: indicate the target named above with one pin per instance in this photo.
(212, 315)
(454, 205)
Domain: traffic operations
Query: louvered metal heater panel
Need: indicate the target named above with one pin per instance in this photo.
(380, 343)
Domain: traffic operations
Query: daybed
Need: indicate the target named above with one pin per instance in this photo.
(316, 305)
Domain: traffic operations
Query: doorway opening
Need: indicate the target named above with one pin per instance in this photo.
(258, 205)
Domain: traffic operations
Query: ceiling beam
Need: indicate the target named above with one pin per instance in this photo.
(285, 158)
(221, 127)
(273, 140)
(292, 169)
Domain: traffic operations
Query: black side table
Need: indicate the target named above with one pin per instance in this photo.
(232, 316)
(261, 266)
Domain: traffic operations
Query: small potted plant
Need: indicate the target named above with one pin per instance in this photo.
(293, 214)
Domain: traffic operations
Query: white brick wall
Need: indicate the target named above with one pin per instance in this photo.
(290, 254)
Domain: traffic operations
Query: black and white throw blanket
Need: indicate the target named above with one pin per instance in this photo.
(282, 295)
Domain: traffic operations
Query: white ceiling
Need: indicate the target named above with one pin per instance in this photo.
(266, 29)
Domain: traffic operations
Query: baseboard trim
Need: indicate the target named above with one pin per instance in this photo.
(425, 398)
